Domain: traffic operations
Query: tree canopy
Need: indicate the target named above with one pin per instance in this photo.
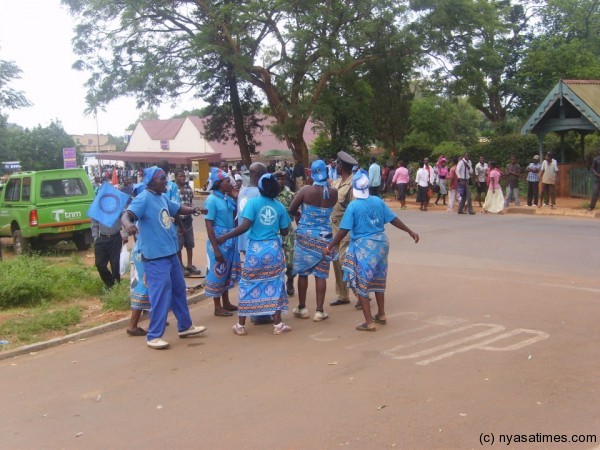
(289, 51)
(10, 98)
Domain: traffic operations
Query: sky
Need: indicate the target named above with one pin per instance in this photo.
(36, 35)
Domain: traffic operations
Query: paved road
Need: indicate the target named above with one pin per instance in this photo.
(492, 328)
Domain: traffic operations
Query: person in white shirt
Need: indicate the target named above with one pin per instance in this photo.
(548, 175)
(374, 177)
(422, 179)
(481, 172)
(464, 171)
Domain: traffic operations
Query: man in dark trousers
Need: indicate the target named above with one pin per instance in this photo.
(107, 250)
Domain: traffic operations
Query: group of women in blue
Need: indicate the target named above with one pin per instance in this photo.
(262, 282)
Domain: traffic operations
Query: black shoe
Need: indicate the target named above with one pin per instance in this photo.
(461, 212)
(472, 212)
(290, 287)
(339, 302)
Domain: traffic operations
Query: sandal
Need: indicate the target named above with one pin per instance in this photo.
(366, 327)
(230, 308)
(223, 313)
(137, 332)
(376, 319)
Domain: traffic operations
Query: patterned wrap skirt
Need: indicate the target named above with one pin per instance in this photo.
(365, 264)
(222, 276)
(262, 284)
(138, 289)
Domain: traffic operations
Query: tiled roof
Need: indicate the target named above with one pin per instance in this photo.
(583, 95)
(159, 130)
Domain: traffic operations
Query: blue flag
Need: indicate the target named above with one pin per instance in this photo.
(108, 205)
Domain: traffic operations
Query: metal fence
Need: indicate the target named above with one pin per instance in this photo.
(580, 182)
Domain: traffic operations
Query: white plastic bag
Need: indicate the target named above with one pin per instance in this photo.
(124, 260)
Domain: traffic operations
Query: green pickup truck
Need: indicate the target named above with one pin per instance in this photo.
(41, 208)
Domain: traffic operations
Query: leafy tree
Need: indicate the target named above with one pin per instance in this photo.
(478, 45)
(9, 97)
(37, 149)
(343, 116)
(289, 51)
(435, 119)
(566, 46)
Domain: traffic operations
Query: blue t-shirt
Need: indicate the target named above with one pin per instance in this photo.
(267, 215)
(157, 231)
(366, 216)
(173, 192)
(246, 193)
(218, 211)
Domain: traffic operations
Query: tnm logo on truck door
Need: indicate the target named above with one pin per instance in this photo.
(61, 215)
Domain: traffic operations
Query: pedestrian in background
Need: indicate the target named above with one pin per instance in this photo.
(513, 171)
(548, 175)
(533, 180)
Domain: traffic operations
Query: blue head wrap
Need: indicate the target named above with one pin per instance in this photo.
(151, 173)
(268, 185)
(138, 188)
(217, 174)
(318, 172)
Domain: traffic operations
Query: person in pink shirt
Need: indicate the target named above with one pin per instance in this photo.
(441, 172)
(494, 200)
(401, 180)
(452, 180)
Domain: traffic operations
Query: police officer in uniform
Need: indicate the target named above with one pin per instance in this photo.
(345, 164)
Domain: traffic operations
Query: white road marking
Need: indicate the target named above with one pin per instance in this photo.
(491, 329)
(539, 336)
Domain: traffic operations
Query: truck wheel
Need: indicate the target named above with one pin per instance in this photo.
(83, 241)
(20, 244)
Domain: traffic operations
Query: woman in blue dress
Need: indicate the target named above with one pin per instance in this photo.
(365, 264)
(262, 284)
(224, 259)
(315, 203)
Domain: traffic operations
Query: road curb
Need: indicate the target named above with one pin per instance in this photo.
(553, 212)
(105, 328)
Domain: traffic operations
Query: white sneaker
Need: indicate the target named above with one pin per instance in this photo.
(319, 316)
(157, 343)
(192, 331)
(301, 313)
(281, 328)
(240, 330)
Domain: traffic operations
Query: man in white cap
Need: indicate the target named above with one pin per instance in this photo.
(533, 180)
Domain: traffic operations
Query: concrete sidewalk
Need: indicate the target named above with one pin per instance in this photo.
(565, 206)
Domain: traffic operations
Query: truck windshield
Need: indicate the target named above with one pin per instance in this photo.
(67, 187)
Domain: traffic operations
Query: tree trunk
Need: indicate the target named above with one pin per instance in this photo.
(238, 117)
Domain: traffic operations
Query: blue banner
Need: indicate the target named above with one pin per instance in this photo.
(108, 205)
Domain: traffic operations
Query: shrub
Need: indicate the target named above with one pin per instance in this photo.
(30, 281)
(117, 298)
